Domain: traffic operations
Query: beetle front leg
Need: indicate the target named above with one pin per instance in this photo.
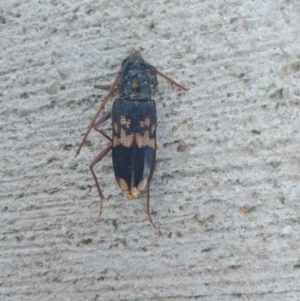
(171, 81)
(93, 163)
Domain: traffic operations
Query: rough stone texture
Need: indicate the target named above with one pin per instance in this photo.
(228, 206)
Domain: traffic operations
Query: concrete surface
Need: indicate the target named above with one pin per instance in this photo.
(228, 206)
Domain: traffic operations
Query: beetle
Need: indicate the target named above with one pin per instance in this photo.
(133, 114)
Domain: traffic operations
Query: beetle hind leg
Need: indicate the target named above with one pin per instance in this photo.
(92, 165)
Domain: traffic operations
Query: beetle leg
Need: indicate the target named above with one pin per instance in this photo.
(104, 134)
(148, 210)
(170, 80)
(100, 121)
(102, 87)
(93, 163)
(105, 87)
(105, 100)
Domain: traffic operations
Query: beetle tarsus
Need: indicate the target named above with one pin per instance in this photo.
(148, 210)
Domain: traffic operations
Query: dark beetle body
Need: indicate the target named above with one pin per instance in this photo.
(133, 141)
(134, 128)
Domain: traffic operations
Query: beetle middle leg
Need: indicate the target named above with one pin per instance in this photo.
(100, 121)
(99, 157)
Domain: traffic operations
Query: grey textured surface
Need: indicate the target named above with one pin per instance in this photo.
(228, 207)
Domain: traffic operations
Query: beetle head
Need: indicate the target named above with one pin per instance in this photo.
(138, 78)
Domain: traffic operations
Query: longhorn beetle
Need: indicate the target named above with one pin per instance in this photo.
(133, 141)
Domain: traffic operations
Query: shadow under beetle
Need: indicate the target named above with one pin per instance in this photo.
(133, 114)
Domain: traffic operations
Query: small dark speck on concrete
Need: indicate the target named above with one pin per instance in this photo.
(24, 95)
(115, 224)
(178, 234)
(67, 146)
(87, 241)
(235, 267)
(2, 20)
(62, 75)
(206, 250)
(256, 132)
(296, 266)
